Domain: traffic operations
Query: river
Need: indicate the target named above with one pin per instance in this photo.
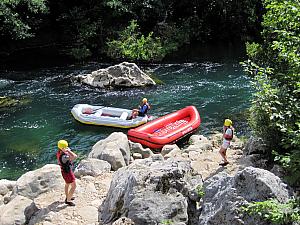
(29, 134)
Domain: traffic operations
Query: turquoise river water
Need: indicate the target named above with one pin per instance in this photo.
(29, 134)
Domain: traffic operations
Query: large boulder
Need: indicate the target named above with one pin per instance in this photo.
(34, 183)
(122, 75)
(114, 149)
(91, 167)
(17, 211)
(255, 146)
(256, 153)
(151, 191)
(224, 196)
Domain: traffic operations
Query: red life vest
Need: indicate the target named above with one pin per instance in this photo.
(226, 136)
(65, 167)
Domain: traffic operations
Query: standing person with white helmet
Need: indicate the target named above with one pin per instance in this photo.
(143, 109)
(65, 157)
(228, 130)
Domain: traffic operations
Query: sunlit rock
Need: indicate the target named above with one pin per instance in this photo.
(114, 149)
(122, 75)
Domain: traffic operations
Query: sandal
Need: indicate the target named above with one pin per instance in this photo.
(70, 203)
(223, 164)
(73, 198)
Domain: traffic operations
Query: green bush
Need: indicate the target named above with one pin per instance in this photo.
(167, 222)
(14, 24)
(133, 45)
(200, 191)
(275, 65)
(291, 163)
(80, 53)
(274, 211)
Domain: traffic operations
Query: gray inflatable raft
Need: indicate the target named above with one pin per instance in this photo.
(106, 116)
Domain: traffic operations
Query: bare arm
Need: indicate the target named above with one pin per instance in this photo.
(71, 154)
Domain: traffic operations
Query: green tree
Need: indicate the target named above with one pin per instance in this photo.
(19, 18)
(275, 65)
(133, 45)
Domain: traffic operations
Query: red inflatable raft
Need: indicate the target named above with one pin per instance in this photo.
(167, 129)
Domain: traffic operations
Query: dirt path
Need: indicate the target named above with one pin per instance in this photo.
(90, 193)
(207, 163)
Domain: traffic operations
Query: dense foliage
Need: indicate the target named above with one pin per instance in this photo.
(275, 65)
(86, 28)
(19, 17)
(274, 211)
(133, 45)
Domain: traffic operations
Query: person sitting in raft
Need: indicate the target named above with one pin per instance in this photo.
(88, 111)
(65, 157)
(143, 109)
(228, 130)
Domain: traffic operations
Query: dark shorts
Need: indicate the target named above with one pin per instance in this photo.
(141, 114)
(68, 177)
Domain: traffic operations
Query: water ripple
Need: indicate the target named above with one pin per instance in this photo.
(216, 89)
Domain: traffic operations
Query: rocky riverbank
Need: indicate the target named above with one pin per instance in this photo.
(121, 182)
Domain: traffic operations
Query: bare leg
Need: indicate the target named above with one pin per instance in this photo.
(134, 113)
(66, 190)
(71, 192)
(222, 152)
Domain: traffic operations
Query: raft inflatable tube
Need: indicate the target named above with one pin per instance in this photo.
(167, 129)
(106, 116)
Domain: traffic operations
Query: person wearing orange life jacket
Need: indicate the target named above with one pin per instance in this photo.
(65, 157)
(228, 130)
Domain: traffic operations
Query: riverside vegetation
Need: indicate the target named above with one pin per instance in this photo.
(275, 113)
(121, 29)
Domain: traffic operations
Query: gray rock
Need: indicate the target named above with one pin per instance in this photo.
(198, 143)
(157, 157)
(224, 196)
(175, 153)
(123, 221)
(278, 171)
(168, 148)
(114, 149)
(34, 183)
(197, 139)
(138, 148)
(257, 160)
(18, 211)
(153, 207)
(192, 148)
(91, 167)
(150, 191)
(45, 215)
(255, 146)
(7, 198)
(6, 186)
(255, 184)
(137, 156)
(122, 75)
